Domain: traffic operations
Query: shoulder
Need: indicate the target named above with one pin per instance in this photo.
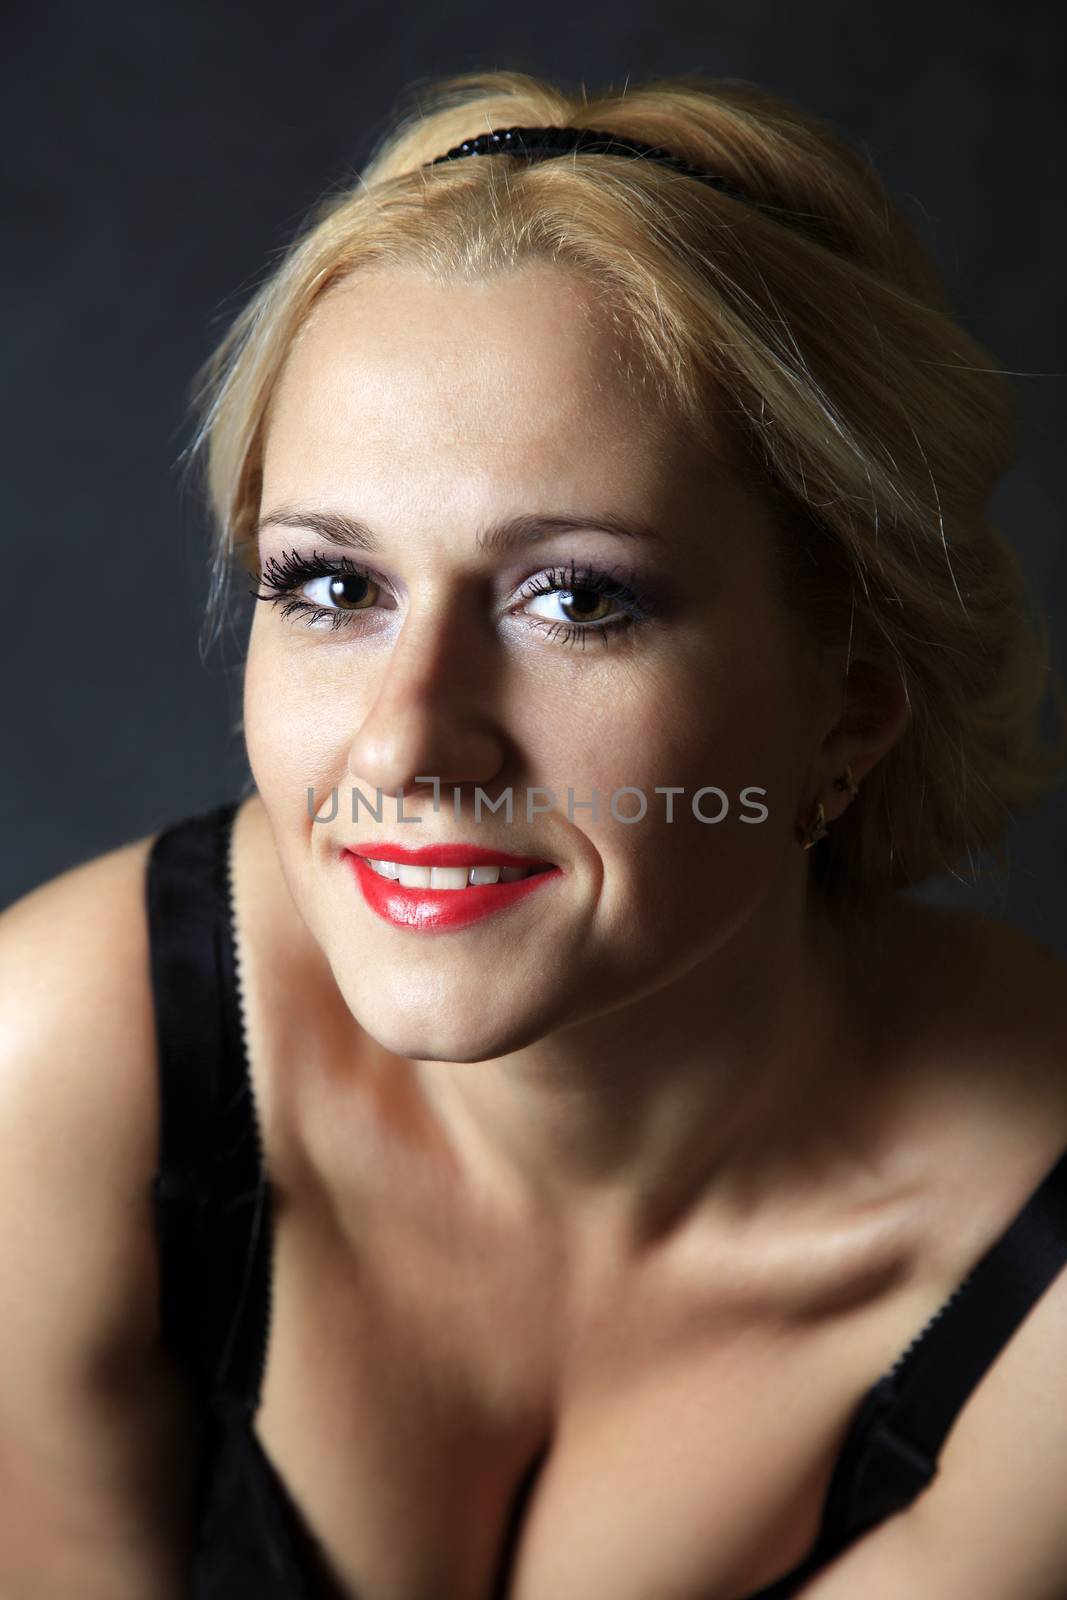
(984, 1008)
(994, 1513)
(97, 1436)
(78, 1106)
(990, 1523)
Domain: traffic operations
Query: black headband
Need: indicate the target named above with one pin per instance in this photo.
(540, 144)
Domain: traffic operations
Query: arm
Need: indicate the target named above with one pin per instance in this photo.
(96, 1437)
(993, 1523)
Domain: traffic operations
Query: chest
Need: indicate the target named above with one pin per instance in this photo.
(449, 1425)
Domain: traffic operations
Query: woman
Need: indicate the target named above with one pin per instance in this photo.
(638, 1195)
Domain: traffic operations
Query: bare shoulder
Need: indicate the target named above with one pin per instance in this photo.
(84, 1391)
(78, 1026)
(990, 1523)
(988, 1004)
(78, 1099)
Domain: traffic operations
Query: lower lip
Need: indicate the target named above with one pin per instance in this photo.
(427, 910)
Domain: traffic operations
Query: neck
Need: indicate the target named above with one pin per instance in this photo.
(724, 1082)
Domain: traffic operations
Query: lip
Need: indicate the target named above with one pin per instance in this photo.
(444, 855)
(443, 910)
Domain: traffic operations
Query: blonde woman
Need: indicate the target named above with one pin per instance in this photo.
(530, 1146)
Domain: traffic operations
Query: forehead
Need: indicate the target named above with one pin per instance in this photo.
(500, 377)
(464, 345)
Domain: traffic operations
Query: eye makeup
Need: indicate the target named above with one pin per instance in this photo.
(286, 577)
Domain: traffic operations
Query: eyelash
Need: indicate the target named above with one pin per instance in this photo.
(283, 576)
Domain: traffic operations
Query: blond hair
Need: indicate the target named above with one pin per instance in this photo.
(811, 324)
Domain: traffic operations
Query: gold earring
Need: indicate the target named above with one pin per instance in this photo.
(816, 829)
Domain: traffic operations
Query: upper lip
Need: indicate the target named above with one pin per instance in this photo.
(445, 855)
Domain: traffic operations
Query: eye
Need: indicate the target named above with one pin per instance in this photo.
(345, 591)
(323, 591)
(574, 604)
(578, 605)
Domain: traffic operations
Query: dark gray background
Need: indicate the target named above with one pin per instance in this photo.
(158, 156)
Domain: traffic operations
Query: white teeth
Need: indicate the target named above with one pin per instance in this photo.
(486, 874)
(413, 877)
(448, 877)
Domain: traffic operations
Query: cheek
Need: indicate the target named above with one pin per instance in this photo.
(731, 728)
(729, 723)
(266, 725)
(290, 730)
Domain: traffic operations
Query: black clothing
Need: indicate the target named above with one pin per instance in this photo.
(213, 1207)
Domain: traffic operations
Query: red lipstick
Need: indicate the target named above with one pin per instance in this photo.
(439, 910)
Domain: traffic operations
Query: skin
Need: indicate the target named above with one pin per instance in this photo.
(620, 1051)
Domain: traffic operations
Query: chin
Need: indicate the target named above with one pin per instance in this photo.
(414, 1028)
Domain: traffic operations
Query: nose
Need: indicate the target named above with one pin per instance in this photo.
(433, 714)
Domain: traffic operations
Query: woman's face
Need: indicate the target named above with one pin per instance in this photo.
(430, 414)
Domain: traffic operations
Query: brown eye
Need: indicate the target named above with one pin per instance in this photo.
(588, 605)
(321, 592)
(570, 604)
(346, 591)
(576, 604)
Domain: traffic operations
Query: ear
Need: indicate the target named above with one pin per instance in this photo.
(869, 712)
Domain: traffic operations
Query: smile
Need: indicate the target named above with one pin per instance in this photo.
(435, 899)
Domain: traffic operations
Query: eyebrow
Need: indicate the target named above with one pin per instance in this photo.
(497, 539)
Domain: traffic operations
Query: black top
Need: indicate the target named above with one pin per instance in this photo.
(212, 1200)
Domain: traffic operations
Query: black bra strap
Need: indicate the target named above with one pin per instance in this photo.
(210, 1192)
(892, 1449)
